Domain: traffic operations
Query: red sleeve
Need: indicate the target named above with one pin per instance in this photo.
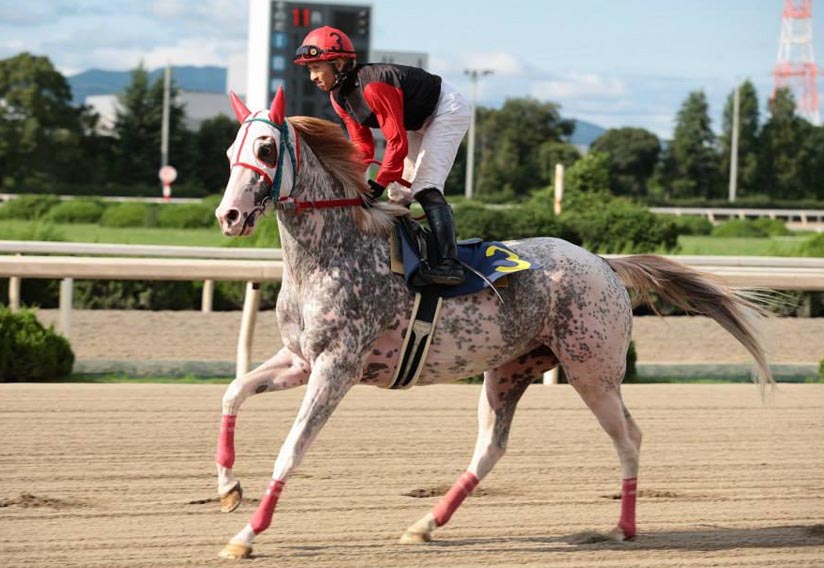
(386, 102)
(359, 134)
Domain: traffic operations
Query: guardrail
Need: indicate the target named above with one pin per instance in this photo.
(811, 218)
(113, 198)
(254, 266)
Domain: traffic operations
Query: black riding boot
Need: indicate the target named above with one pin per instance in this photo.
(448, 271)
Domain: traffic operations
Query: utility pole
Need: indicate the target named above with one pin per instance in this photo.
(474, 75)
(164, 128)
(167, 173)
(736, 109)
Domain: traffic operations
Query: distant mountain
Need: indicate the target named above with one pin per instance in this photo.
(208, 79)
(585, 133)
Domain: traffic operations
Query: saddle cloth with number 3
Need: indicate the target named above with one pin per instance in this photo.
(492, 259)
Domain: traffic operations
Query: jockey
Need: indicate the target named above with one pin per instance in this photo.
(422, 117)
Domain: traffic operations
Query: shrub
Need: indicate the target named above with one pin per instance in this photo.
(36, 231)
(76, 211)
(821, 371)
(135, 295)
(814, 246)
(773, 227)
(751, 228)
(129, 215)
(618, 225)
(28, 206)
(29, 351)
(690, 224)
(186, 216)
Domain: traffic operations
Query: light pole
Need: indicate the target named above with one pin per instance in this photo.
(473, 75)
(736, 109)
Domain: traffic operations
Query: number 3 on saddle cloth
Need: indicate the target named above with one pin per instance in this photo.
(485, 262)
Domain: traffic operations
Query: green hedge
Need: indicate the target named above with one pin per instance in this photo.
(814, 246)
(76, 211)
(616, 225)
(29, 351)
(28, 206)
(762, 227)
(690, 224)
(186, 216)
(130, 214)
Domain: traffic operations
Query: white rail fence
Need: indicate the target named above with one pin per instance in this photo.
(812, 219)
(85, 261)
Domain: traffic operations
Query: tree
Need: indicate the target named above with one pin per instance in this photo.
(632, 154)
(694, 159)
(552, 153)
(748, 125)
(211, 165)
(39, 128)
(812, 159)
(510, 141)
(138, 132)
(781, 141)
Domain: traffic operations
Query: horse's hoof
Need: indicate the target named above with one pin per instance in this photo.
(415, 538)
(231, 500)
(235, 551)
(617, 535)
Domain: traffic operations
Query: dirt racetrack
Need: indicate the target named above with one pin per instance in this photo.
(121, 476)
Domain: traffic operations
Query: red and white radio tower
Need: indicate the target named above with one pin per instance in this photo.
(796, 66)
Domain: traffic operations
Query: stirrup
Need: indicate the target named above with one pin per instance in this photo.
(444, 275)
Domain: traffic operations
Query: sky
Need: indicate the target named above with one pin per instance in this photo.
(612, 62)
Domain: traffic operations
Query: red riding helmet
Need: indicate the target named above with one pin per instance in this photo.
(324, 44)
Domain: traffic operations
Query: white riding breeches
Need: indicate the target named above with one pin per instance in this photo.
(433, 147)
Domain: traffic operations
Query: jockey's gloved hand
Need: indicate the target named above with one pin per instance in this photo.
(377, 189)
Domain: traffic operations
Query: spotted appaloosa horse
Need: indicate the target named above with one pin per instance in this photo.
(343, 314)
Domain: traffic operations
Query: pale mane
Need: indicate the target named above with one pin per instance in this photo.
(339, 157)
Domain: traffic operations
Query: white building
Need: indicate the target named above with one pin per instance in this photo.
(199, 107)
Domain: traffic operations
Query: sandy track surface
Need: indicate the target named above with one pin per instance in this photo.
(122, 476)
(142, 335)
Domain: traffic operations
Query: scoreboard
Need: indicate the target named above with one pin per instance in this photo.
(289, 22)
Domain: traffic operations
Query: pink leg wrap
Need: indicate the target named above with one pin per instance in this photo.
(452, 500)
(628, 493)
(225, 454)
(263, 516)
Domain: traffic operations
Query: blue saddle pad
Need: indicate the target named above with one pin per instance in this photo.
(491, 258)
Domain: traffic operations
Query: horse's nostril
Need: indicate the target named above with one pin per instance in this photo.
(232, 215)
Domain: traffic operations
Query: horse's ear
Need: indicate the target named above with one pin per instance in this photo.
(241, 112)
(278, 110)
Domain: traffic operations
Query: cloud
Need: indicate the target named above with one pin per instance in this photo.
(501, 63)
(577, 85)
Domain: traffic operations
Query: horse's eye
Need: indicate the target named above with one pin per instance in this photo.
(267, 153)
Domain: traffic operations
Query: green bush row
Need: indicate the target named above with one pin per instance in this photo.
(108, 214)
(29, 351)
(762, 227)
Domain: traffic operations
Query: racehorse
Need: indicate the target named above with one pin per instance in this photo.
(343, 314)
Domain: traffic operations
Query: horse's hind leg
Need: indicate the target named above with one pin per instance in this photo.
(503, 388)
(626, 437)
(283, 371)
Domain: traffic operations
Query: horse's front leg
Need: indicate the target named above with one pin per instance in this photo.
(332, 375)
(503, 388)
(283, 371)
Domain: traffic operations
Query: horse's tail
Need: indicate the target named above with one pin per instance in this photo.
(699, 294)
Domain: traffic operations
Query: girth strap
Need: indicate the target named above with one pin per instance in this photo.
(418, 337)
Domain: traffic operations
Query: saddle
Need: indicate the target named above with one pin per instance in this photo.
(412, 246)
(486, 263)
